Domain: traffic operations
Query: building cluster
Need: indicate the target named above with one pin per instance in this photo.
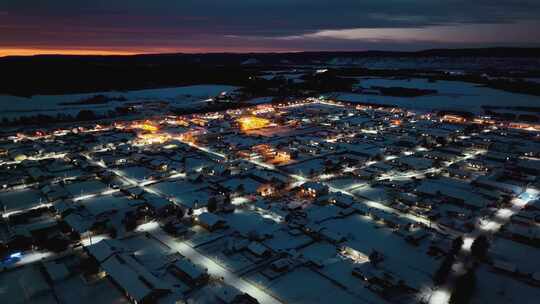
(309, 201)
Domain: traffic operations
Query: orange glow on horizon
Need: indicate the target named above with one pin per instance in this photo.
(32, 52)
(29, 51)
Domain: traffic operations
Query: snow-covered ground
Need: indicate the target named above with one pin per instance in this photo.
(215, 269)
(454, 95)
(454, 64)
(15, 106)
(295, 77)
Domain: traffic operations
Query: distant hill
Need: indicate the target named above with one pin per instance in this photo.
(286, 57)
(58, 74)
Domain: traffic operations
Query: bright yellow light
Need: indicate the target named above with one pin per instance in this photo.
(453, 118)
(282, 157)
(354, 255)
(150, 128)
(146, 126)
(252, 123)
(265, 190)
(188, 137)
(152, 138)
(182, 122)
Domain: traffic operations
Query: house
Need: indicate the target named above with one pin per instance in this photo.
(258, 249)
(408, 199)
(54, 193)
(64, 207)
(134, 192)
(332, 236)
(458, 172)
(37, 174)
(56, 271)
(189, 272)
(104, 249)
(266, 190)
(79, 224)
(281, 265)
(211, 221)
(492, 184)
(226, 294)
(175, 228)
(462, 195)
(159, 204)
(339, 199)
(314, 189)
(137, 282)
(216, 170)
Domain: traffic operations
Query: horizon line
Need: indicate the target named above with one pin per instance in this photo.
(31, 52)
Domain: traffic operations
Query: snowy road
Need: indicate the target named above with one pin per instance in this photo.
(215, 269)
(366, 201)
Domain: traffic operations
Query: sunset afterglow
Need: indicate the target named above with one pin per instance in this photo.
(32, 52)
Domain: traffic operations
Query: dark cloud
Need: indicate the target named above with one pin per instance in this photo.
(249, 24)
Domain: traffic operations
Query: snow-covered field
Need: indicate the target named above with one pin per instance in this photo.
(456, 64)
(452, 95)
(15, 106)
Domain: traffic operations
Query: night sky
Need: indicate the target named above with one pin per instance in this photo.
(152, 26)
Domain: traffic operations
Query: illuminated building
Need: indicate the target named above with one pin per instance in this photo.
(266, 190)
(523, 125)
(182, 122)
(247, 123)
(146, 126)
(188, 137)
(354, 255)
(270, 154)
(282, 157)
(453, 118)
(152, 138)
(313, 189)
(261, 109)
(484, 121)
(262, 148)
(199, 122)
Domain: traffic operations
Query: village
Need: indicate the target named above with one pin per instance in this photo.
(304, 201)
